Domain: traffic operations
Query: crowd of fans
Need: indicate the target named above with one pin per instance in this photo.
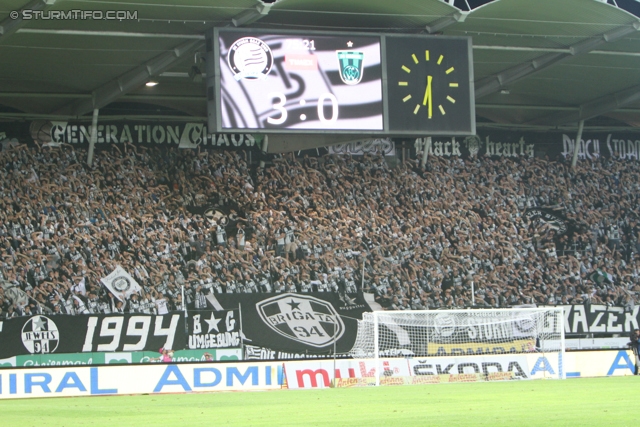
(214, 222)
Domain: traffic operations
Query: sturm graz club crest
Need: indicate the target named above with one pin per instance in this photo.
(40, 335)
(445, 326)
(250, 58)
(350, 65)
(302, 318)
(121, 284)
(524, 326)
(216, 216)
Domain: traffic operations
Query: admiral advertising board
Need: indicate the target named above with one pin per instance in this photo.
(145, 379)
(587, 364)
(180, 378)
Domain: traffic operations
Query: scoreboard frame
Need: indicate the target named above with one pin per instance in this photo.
(426, 84)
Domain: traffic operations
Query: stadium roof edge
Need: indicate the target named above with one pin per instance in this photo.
(53, 57)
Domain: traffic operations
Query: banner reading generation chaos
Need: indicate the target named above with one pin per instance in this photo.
(177, 134)
(92, 333)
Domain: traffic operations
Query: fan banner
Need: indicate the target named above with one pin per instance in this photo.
(92, 333)
(175, 134)
(307, 323)
(254, 352)
(528, 145)
(553, 217)
(495, 143)
(121, 284)
(214, 329)
(600, 319)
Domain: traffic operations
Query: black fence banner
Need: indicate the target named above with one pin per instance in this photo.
(600, 319)
(175, 134)
(254, 352)
(214, 329)
(518, 144)
(298, 323)
(91, 333)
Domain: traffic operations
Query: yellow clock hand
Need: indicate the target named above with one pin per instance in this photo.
(427, 97)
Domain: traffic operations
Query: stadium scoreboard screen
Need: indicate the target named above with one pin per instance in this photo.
(313, 82)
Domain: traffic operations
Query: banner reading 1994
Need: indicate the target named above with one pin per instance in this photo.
(94, 333)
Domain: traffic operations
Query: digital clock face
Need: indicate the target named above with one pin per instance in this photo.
(306, 82)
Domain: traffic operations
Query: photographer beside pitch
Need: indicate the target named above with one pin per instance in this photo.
(635, 347)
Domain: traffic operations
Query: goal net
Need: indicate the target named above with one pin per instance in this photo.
(462, 345)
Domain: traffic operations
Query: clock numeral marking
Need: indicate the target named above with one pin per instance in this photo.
(451, 100)
(453, 84)
(415, 110)
(406, 98)
(440, 59)
(415, 58)
(407, 69)
(441, 110)
(403, 83)
(426, 55)
(450, 70)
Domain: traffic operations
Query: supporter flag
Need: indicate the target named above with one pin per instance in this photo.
(225, 215)
(552, 217)
(120, 283)
(81, 308)
(16, 294)
(80, 288)
(600, 276)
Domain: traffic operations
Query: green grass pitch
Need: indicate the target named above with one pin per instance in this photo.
(573, 402)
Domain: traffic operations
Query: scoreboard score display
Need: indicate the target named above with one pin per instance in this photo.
(356, 83)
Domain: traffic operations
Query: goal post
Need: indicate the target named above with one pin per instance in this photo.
(463, 345)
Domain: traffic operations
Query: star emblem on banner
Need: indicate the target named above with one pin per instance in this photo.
(349, 43)
(294, 305)
(39, 324)
(213, 323)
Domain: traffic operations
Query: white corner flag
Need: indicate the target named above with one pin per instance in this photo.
(120, 283)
